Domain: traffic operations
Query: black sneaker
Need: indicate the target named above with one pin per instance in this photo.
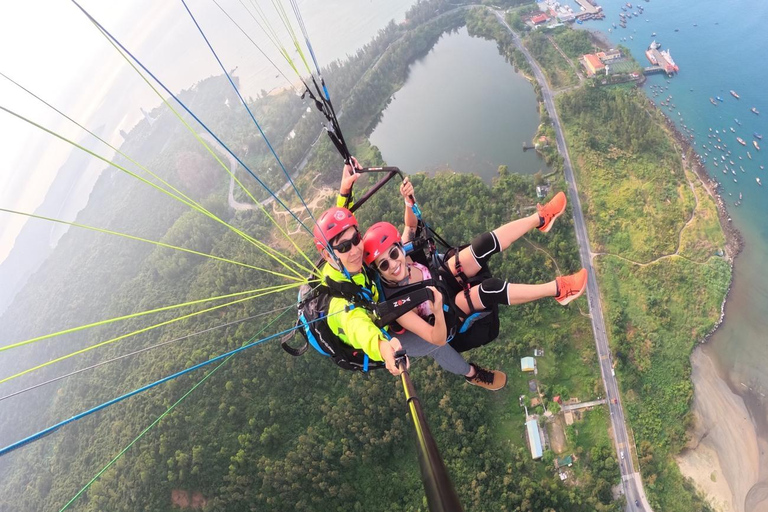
(493, 380)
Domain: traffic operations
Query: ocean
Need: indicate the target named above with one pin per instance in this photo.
(718, 47)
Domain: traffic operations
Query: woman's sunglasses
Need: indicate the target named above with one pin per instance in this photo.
(393, 255)
(347, 245)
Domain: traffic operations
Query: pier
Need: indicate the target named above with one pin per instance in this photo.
(653, 70)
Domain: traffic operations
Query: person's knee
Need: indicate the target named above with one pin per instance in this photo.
(485, 246)
(493, 291)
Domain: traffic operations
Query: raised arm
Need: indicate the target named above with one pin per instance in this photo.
(411, 222)
(348, 179)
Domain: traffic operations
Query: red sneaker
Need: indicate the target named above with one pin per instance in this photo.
(571, 287)
(552, 210)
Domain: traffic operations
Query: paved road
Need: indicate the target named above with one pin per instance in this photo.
(631, 481)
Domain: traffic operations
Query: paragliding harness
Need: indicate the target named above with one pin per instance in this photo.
(313, 305)
(478, 328)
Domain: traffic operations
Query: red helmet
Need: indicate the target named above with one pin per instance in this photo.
(333, 222)
(379, 237)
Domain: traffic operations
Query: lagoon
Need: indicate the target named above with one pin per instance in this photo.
(463, 108)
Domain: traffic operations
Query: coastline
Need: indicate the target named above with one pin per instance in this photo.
(722, 457)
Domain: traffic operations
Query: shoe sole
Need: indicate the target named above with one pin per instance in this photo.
(546, 228)
(490, 389)
(567, 300)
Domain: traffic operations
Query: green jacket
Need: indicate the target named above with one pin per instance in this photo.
(354, 327)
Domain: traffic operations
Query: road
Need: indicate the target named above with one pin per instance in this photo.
(630, 479)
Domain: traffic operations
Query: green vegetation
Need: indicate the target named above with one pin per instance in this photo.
(267, 431)
(642, 211)
(559, 72)
(638, 197)
(574, 43)
(661, 279)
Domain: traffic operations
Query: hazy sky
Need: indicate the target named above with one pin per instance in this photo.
(51, 48)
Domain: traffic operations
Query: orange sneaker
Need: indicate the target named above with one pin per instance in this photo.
(571, 287)
(552, 210)
(492, 380)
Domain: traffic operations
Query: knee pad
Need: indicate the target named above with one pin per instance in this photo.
(485, 246)
(493, 291)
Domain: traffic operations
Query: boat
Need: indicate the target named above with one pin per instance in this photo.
(737, 121)
(741, 141)
(757, 136)
(758, 181)
(718, 98)
(733, 93)
(740, 196)
(712, 101)
(654, 45)
(757, 146)
(755, 111)
(749, 155)
(732, 130)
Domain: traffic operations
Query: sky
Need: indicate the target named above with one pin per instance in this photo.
(51, 48)
(57, 56)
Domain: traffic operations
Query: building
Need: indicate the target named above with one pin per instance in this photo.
(539, 19)
(534, 438)
(593, 64)
(528, 364)
(610, 56)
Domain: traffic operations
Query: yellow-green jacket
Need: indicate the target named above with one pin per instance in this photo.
(354, 327)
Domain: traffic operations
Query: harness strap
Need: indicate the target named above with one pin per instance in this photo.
(464, 281)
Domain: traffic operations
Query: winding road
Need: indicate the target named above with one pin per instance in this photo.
(631, 480)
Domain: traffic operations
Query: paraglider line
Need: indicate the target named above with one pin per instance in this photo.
(53, 428)
(184, 106)
(159, 418)
(245, 104)
(146, 349)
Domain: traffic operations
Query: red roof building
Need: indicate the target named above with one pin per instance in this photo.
(593, 64)
(539, 19)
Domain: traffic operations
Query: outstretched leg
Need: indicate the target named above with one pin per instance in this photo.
(494, 291)
(474, 257)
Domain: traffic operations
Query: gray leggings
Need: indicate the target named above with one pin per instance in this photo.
(446, 356)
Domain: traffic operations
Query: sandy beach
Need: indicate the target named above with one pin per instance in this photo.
(722, 458)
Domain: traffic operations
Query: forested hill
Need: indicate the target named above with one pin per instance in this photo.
(267, 431)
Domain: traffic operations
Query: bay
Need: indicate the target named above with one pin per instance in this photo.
(718, 46)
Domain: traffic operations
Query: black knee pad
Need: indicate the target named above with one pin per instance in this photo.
(493, 291)
(485, 246)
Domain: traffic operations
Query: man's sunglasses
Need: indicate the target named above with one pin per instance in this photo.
(346, 245)
(394, 254)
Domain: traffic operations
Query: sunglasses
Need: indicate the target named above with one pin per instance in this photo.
(346, 245)
(393, 255)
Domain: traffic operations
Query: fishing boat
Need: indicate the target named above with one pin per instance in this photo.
(757, 146)
(758, 136)
(758, 181)
(733, 93)
(732, 130)
(755, 111)
(718, 98)
(712, 101)
(737, 121)
(749, 155)
(741, 141)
